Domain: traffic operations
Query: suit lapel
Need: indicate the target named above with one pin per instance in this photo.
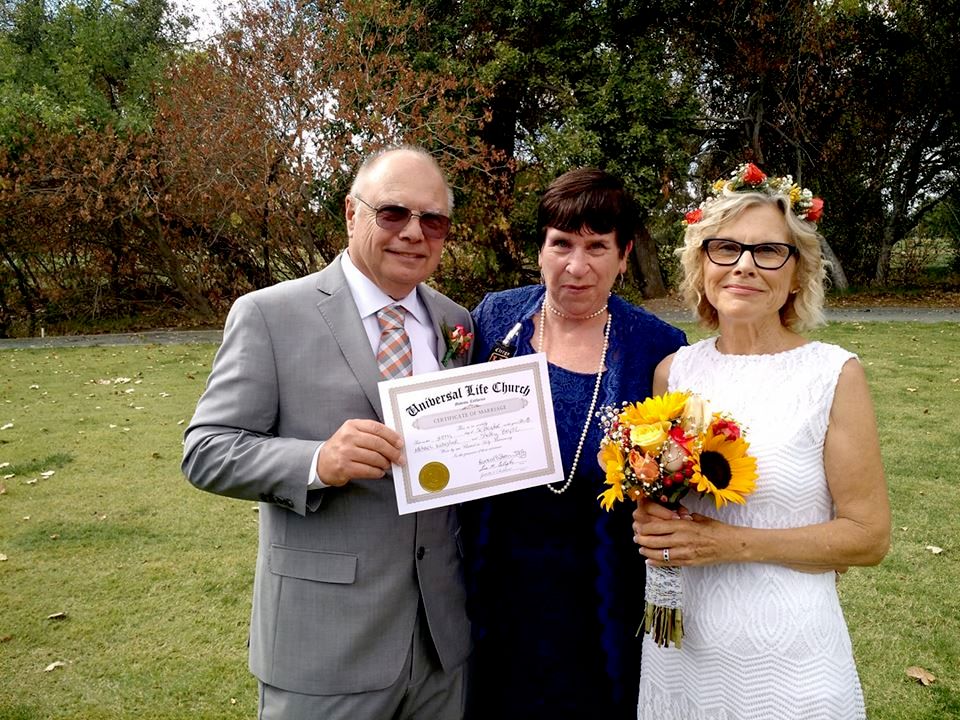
(428, 297)
(340, 312)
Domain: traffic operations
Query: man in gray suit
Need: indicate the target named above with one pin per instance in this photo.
(358, 612)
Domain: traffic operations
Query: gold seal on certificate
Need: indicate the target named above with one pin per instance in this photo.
(434, 476)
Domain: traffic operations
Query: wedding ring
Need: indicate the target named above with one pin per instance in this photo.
(666, 554)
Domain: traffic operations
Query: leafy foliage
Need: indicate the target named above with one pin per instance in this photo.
(144, 177)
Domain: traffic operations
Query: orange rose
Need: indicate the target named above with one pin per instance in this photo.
(645, 467)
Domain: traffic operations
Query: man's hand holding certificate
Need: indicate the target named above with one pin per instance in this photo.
(472, 432)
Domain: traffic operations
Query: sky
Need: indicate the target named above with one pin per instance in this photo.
(207, 13)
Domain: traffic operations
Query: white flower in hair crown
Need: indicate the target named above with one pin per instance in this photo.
(749, 178)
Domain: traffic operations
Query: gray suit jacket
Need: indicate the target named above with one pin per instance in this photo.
(339, 573)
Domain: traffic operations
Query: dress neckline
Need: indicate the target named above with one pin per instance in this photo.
(712, 345)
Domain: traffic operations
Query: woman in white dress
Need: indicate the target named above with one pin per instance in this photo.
(764, 635)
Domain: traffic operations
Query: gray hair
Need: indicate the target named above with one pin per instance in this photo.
(373, 160)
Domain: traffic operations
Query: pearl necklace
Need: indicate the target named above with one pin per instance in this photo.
(596, 386)
(556, 312)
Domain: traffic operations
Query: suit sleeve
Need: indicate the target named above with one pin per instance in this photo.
(230, 446)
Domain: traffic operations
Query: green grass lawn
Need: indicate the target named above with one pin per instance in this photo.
(154, 577)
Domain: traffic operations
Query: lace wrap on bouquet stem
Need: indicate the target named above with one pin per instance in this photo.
(663, 611)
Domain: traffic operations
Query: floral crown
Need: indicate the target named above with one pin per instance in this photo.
(749, 178)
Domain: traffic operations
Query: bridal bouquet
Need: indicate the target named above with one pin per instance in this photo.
(661, 449)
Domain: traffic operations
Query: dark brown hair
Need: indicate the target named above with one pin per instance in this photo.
(588, 199)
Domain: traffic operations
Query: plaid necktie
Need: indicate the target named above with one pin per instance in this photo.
(395, 356)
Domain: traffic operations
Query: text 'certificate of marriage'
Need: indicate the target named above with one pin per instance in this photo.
(472, 432)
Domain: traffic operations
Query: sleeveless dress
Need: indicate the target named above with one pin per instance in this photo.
(552, 579)
(761, 641)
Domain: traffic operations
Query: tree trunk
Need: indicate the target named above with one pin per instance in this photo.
(188, 290)
(837, 276)
(647, 265)
(26, 293)
(882, 274)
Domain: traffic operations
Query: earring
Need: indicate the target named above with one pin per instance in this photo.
(620, 285)
(543, 280)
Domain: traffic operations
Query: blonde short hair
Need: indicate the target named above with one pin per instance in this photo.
(803, 309)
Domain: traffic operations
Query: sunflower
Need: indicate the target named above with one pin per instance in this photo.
(658, 409)
(611, 460)
(722, 468)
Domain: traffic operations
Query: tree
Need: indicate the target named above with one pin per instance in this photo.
(260, 134)
(568, 84)
(804, 87)
(75, 98)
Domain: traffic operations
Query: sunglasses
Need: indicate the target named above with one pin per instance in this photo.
(395, 217)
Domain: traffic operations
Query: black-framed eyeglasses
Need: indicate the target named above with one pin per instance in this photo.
(395, 217)
(766, 256)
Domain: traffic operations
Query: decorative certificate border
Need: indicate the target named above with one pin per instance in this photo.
(473, 432)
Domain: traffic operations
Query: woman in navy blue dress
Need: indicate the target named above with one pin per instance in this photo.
(553, 580)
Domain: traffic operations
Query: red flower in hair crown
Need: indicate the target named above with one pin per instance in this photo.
(749, 178)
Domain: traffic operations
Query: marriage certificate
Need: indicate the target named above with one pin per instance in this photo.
(472, 432)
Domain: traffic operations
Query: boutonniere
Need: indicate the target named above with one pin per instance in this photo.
(457, 340)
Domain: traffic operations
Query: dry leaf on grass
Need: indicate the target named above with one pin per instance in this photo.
(921, 675)
(55, 665)
(57, 616)
(934, 549)
(3, 558)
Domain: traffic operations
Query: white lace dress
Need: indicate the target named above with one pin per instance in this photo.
(761, 641)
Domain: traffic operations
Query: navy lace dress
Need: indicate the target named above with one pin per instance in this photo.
(555, 584)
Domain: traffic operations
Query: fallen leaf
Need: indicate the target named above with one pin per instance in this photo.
(54, 666)
(3, 465)
(7, 426)
(934, 549)
(47, 473)
(5, 638)
(57, 616)
(924, 677)
(3, 558)
(34, 387)
(910, 389)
